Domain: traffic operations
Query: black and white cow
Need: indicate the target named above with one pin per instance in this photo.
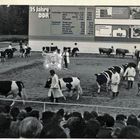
(70, 84)
(10, 52)
(103, 79)
(15, 88)
(118, 69)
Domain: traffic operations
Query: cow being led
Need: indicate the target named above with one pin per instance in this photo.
(70, 84)
(15, 88)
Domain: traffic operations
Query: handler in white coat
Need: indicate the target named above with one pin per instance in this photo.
(130, 72)
(54, 91)
(115, 80)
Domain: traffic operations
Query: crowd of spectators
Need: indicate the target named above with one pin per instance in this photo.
(31, 123)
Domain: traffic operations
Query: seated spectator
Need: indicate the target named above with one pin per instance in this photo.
(14, 113)
(132, 120)
(76, 114)
(130, 132)
(91, 129)
(94, 114)
(28, 109)
(14, 127)
(46, 117)
(87, 116)
(30, 127)
(106, 131)
(76, 126)
(119, 124)
(7, 109)
(5, 121)
(34, 113)
(52, 131)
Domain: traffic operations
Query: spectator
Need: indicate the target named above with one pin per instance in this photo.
(120, 121)
(132, 120)
(91, 129)
(14, 127)
(54, 91)
(14, 113)
(46, 117)
(34, 113)
(106, 131)
(119, 124)
(7, 109)
(87, 116)
(76, 126)
(94, 114)
(130, 132)
(52, 131)
(5, 121)
(30, 127)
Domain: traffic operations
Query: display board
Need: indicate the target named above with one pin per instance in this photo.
(61, 21)
(112, 12)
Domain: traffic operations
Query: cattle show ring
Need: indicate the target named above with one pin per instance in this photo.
(33, 74)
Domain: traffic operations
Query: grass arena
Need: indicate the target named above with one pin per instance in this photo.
(33, 74)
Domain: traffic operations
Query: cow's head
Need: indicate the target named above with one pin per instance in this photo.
(48, 83)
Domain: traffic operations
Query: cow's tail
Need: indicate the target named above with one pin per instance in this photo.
(22, 92)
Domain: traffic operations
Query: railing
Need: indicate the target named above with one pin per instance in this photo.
(72, 104)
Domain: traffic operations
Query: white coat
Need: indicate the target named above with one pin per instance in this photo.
(55, 88)
(138, 67)
(115, 80)
(130, 72)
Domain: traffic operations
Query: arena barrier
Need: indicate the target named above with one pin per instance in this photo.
(97, 107)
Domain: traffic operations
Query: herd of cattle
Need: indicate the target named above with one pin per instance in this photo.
(108, 51)
(9, 53)
(104, 78)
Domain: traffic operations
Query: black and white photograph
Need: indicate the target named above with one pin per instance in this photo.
(70, 71)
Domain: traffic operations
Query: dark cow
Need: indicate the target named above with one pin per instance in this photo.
(106, 51)
(2, 56)
(121, 52)
(103, 79)
(70, 84)
(10, 52)
(74, 52)
(15, 88)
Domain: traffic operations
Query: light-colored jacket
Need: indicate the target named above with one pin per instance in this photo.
(138, 67)
(55, 82)
(130, 72)
(115, 79)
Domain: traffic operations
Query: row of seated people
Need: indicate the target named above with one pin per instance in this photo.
(30, 123)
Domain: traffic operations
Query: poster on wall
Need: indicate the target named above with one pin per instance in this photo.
(135, 31)
(134, 12)
(103, 12)
(120, 31)
(103, 30)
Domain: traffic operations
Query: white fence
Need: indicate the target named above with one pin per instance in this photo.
(96, 107)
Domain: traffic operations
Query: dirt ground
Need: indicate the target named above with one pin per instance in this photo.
(33, 74)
